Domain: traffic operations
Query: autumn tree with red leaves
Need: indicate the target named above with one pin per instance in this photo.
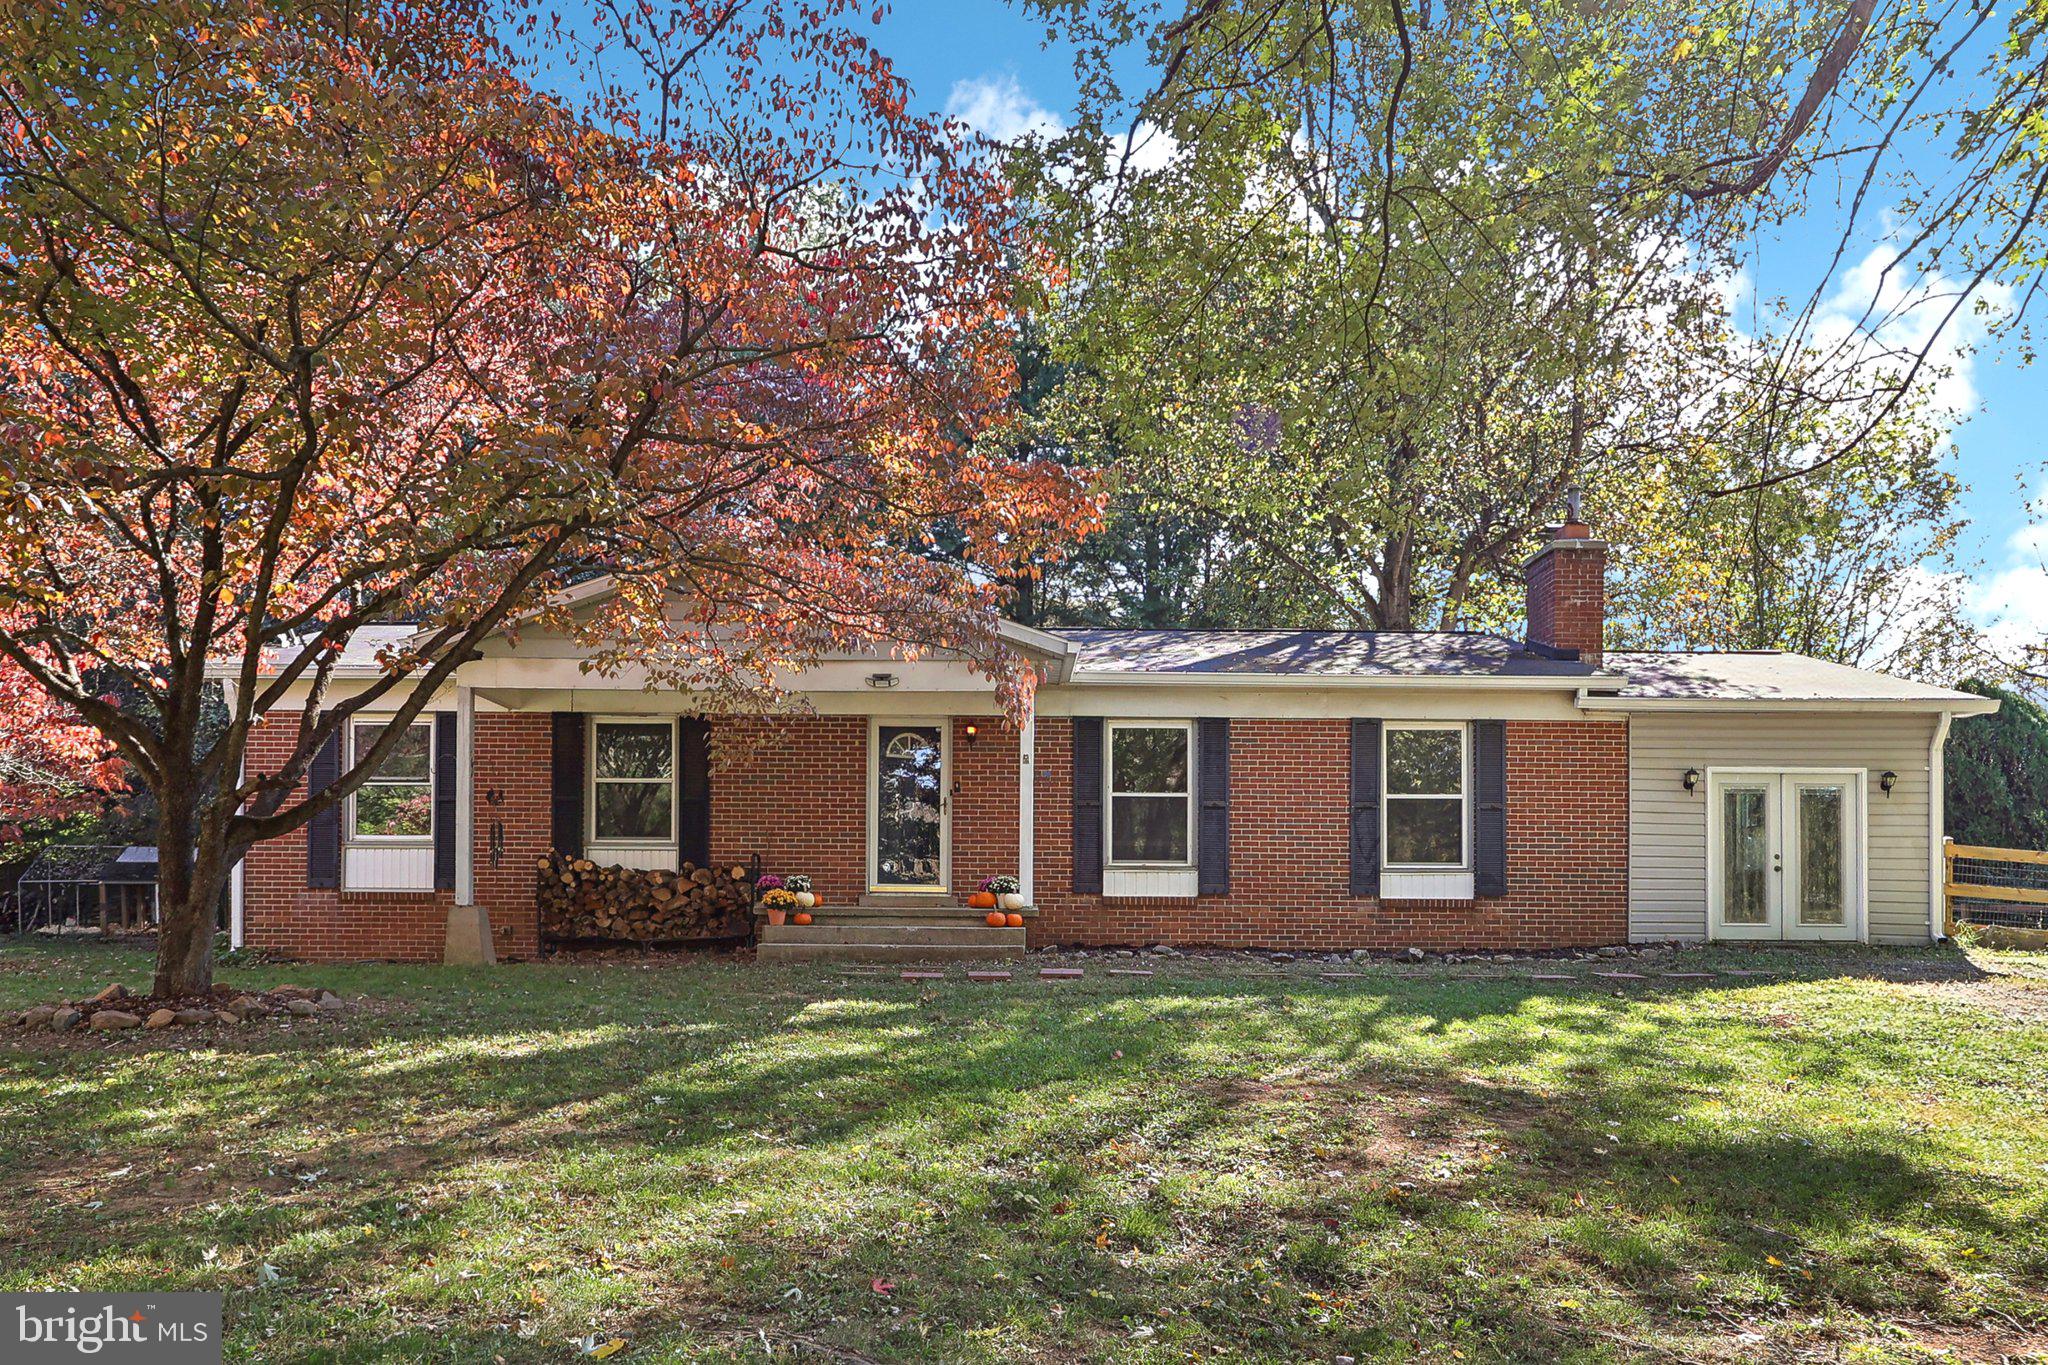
(315, 316)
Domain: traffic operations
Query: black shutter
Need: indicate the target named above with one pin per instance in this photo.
(1365, 808)
(567, 793)
(444, 801)
(1212, 793)
(693, 790)
(1490, 810)
(323, 831)
(1087, 830)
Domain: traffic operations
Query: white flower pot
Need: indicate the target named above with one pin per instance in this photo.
(806, 899)
(1010, 901)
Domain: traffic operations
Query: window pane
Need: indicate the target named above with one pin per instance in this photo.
(1148, 829)
(1149, 760)
(634, 750)
(1820, 856)
(409, 758)
(633, 810)
(1424, 762)
(1426, 830)
(395, 810)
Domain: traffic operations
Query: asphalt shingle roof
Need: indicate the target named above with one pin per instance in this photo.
(1763, 675)
(1324, 653)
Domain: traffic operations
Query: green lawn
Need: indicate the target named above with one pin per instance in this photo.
(1224, 1161)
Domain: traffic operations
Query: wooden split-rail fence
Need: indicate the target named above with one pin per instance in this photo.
(1999, 894)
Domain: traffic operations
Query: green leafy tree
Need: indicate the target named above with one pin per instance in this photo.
(1368, 288)
(1997, 773)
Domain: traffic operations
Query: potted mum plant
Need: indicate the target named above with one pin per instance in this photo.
(777, 902)
(799, 886)
(1007, 890)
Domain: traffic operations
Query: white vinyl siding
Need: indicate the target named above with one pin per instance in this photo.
(1176, 883)
(387, 867)
(1668, 825)
(642, 857)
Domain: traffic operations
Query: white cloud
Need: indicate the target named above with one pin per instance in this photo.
(1001, 109)
(1882, 315)
(2011, 602)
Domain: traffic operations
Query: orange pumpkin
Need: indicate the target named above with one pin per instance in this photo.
(817, 899)
(996, 919)
(1014, 920)
(982, 900)
(800, 917)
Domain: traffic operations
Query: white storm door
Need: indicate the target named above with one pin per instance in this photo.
(908, 837)
(1745, 882)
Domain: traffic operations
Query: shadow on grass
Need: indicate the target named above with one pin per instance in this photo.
(1325, 1139)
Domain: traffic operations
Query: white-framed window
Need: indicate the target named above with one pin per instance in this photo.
(1150, 779)
(395, 804)
(632, 781)
(1425, 779)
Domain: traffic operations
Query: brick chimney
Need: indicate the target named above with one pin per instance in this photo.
(1567, 603)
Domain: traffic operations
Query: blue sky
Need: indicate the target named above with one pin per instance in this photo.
(985, 61)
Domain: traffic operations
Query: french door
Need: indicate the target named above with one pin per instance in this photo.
(1785, 855)
(907, 808)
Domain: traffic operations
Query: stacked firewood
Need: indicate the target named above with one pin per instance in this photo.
(580, 899)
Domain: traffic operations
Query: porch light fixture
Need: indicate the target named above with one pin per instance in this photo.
(1888, 781)
(973, 732)
(881, 680)
(1692, 780)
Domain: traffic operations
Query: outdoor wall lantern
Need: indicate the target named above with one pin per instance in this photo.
(973, 732)
(1887, 782)
(881, 680)
(1692, 780)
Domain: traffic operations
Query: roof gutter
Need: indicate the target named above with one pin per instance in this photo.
(1946, 706)
(1083, 677)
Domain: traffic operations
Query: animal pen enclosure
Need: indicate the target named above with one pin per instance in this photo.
(88, 889)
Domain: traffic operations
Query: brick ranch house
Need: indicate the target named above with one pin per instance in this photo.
(1303, 790)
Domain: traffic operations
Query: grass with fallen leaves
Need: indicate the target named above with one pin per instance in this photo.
(711, 1161)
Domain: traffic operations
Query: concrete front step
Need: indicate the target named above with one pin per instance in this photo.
(961, 935)
(783, 951)
(941, 914)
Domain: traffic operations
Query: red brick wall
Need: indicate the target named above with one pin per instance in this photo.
(1290, 858)
(794, 790)
(984, 802)
(284, 915)
(1567, 600)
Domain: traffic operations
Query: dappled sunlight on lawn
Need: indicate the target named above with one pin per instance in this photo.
(705, 1157)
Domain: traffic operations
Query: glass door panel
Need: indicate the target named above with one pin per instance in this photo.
(910, 812)
(1747, 901)
(1820, 857)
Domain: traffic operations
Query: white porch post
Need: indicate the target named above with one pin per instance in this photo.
(1027, 797)
(465, 796)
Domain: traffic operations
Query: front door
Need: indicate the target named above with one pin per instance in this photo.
(1784, 855)
(907, 820)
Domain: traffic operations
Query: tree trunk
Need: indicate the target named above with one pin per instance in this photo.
(191, 869)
